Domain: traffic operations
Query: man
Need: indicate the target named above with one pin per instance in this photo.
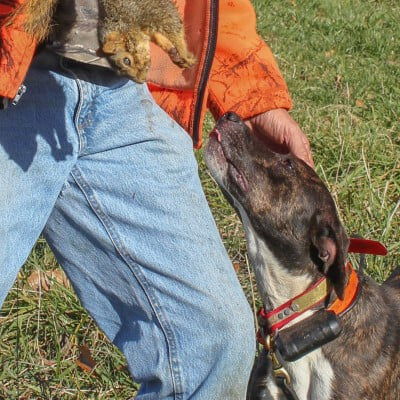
(91, 160)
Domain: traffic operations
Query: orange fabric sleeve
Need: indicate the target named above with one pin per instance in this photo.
(17, 49)
(245, 77)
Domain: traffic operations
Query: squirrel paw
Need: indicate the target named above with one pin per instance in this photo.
(176, 48)
(130, 53)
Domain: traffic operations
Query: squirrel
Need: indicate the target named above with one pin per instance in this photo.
(126, 28)
(130, 25)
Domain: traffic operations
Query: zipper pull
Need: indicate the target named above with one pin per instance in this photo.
(20, 93)
(5, 102)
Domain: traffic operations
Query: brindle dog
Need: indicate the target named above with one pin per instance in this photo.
(294, 237)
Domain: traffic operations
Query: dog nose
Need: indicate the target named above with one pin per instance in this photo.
(231, 116)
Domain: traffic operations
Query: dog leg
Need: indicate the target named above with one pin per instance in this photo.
(394, 280)
(261, 385)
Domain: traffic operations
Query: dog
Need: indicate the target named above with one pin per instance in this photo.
(295, 239)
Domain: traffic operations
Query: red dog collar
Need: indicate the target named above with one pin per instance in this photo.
(366, 246)
(318, 292)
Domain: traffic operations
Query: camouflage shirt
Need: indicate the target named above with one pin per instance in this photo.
(76, 32)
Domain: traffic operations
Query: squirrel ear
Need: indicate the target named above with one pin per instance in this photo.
(329, 250)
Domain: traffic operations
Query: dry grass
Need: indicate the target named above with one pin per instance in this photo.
(341, 62)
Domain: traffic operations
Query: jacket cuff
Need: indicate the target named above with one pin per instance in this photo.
(250, 85)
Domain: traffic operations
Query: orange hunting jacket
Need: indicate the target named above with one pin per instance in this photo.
(235, 71)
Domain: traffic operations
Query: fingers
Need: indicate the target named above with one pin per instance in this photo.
(282, 134)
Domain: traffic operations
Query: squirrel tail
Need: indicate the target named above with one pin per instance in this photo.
(37, 16)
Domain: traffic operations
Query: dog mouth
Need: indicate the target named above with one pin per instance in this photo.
(225, 161)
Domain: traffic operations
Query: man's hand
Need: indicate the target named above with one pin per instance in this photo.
(281, 133)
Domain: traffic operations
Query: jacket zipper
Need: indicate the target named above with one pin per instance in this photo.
(211, 46)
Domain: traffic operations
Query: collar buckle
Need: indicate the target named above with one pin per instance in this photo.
(281, 375)
(273, 354)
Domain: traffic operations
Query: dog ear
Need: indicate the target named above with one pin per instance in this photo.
(329, 250)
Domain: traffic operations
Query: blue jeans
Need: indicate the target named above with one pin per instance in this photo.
(88, 158)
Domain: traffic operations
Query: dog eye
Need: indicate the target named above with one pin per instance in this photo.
(288, 163)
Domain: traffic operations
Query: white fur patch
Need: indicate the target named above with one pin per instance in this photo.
(273, 280)
(312, 375)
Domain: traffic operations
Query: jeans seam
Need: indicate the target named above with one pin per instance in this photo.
(79, 106)
(176, 373)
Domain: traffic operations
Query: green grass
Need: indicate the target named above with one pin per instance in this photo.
(341, 62)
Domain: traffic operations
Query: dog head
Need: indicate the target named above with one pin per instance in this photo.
(286, 202)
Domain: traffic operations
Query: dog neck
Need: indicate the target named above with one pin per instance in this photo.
(275, 283)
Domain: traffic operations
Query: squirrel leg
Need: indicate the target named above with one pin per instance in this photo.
(175, 46)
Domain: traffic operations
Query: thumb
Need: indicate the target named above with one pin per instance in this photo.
(299, 145)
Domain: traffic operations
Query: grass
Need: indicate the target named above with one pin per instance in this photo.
(340, 59)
